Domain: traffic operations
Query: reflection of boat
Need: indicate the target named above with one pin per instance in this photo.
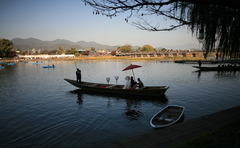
(118, 89)
(49, 66)
(218, 68)
(169, 115)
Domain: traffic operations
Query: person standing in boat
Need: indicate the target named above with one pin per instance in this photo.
(199, 63)
(79, 76)
(140, 83)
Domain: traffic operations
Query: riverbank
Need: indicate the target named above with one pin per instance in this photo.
(104, 58)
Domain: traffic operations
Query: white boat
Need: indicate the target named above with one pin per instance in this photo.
(169, 115)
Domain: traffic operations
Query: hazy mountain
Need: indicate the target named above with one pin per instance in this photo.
(31, 43)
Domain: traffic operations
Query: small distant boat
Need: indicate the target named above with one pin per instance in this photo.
(25, 62)
(49, 66)
(36, 63)
(2, 67)
(217, 68)
(169, 115)
(11, 63)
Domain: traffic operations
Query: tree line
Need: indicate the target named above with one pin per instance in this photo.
(7, 50)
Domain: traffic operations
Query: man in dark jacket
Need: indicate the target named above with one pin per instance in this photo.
(79, 76)
(140, 83)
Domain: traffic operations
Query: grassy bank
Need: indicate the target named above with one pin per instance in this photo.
(223, 137)
(102, 58)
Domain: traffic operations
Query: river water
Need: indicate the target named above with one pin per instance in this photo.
(39, 109)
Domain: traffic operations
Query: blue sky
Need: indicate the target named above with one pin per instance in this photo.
(48, 20)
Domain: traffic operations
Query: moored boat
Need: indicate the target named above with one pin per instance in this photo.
(154, 91)
(218, 68)
(169, 115)
(1, 67)
(36, 63)
(11, 63)
(49, 66)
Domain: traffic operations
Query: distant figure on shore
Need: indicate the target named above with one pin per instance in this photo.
(79, 76)
(199, 63)
(140, 83)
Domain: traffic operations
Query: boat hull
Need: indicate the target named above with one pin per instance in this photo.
(218, 68)
(49, 66)
(169, 115)
(154, 91)
(11, 64)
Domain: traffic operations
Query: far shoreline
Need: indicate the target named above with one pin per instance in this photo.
(106, 58)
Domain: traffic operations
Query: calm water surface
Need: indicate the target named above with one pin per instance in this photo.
(39, 109)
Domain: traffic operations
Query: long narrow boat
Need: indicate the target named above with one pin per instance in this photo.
(49, 66)
(1, 67)
(217, 68)
(154, 91)
(169, 115)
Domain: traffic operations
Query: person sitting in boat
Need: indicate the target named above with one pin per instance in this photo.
(135, 86)
(52, 64)
(132, 82)
(140, 83)
(128, 83)
(78, 74)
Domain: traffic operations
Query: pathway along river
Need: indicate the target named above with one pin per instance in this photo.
(39, 109)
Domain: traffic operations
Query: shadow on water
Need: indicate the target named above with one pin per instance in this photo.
(133, 103)
(220, 74)
(162, 99)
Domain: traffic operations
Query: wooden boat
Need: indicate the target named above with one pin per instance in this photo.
(154, 91)
(49, 66)
(169, 115)
(217, 68)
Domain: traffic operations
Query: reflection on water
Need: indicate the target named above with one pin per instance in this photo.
(40, 109)
(220, 74)
(132, 110)
(227, 74)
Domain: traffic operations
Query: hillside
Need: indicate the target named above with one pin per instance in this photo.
(31, 43)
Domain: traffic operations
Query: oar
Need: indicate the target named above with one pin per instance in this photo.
(75, 63)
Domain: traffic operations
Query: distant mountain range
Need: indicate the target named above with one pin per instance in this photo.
(30, 43)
